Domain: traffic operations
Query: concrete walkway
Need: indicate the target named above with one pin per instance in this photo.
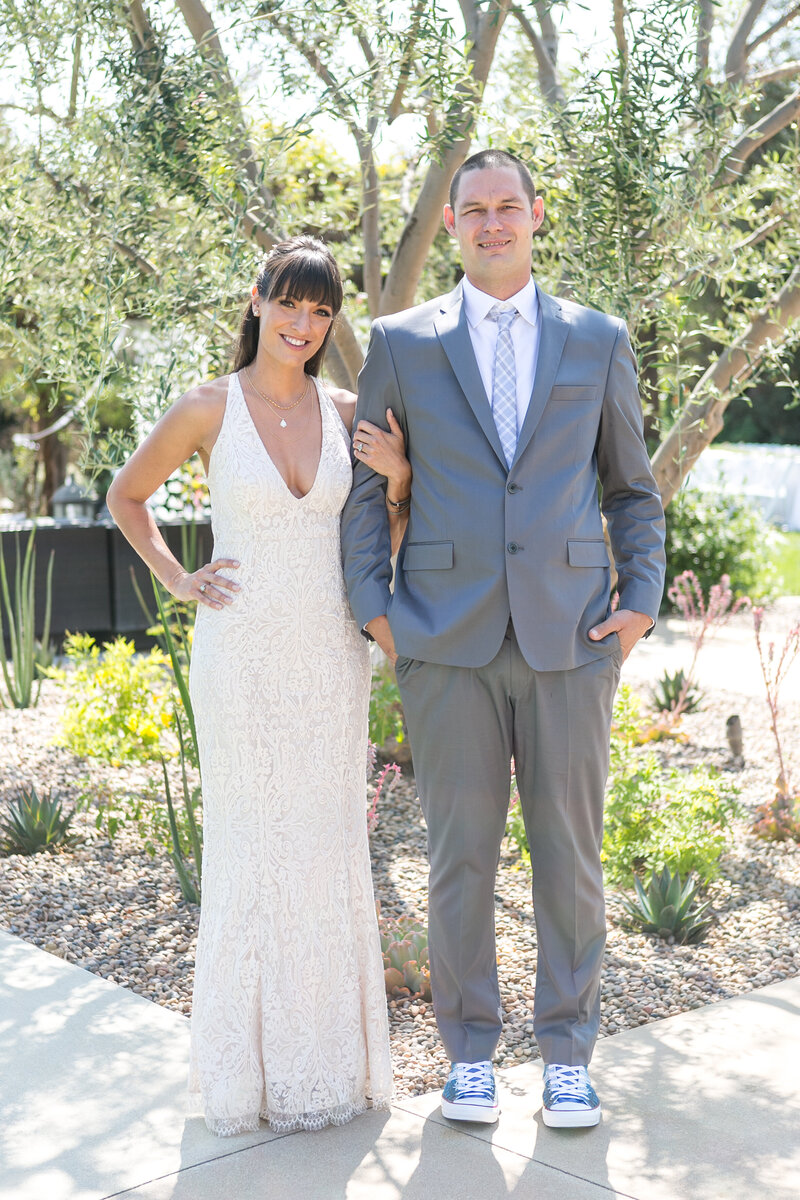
(702, 1106)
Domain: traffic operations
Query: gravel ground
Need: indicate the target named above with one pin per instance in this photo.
(112, 909)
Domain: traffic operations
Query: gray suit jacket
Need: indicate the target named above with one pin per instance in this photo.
(484, 541)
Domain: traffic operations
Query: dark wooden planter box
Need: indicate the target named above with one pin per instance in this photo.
(92, 587)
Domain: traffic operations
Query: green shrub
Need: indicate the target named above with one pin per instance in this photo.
(657, 818)
(119, 703)
(385, 708)
(715, 535)
(515, 825)
(654, 818)
(786, 559)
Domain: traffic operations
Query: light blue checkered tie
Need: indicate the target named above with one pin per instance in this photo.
(504, 380)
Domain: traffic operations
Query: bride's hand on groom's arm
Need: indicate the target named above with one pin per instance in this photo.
(385, 453)
(378, 628)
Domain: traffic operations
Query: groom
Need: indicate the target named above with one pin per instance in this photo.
(523, 424)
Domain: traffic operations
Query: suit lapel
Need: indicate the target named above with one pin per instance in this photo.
(453, 333)
(552, 336)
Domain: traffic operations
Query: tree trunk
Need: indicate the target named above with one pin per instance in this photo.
(701, 419)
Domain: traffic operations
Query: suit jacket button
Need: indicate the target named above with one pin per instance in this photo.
(513, 488)
(513, 548)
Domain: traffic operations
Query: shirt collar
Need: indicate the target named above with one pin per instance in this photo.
(478, 303)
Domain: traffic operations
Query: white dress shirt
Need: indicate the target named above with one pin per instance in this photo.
(524, 333)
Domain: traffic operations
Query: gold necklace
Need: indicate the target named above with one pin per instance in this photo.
(272, 403)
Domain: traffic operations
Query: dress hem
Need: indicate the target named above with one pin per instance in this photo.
(279, 1122)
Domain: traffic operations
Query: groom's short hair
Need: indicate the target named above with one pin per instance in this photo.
(493, 158)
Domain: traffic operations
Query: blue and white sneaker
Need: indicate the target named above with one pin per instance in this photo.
(570, 1101)
(470, 1093)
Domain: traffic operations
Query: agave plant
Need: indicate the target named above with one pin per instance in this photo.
(35, 823)
(668, 907)
(674, 693)
(405, 960)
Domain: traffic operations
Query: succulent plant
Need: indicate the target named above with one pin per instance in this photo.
(668, 907)
(405, 960)
(667, 693)
(35, 823)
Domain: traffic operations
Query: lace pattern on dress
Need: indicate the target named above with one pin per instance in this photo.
(289, 1017)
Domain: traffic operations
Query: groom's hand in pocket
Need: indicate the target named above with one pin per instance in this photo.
(378, 628)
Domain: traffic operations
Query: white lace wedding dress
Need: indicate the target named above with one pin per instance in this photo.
(289, 1012)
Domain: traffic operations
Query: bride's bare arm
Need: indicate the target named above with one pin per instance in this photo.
(189, 426)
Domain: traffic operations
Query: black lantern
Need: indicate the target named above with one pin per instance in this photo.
(72, 503)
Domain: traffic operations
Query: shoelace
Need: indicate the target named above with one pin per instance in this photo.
(568, 1083)
(474, 1079)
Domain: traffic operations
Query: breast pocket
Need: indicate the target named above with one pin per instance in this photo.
(568, 391)
(428, 556)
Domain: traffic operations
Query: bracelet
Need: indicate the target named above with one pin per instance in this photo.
(398, 506)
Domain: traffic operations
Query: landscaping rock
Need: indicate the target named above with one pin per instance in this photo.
(116, 911)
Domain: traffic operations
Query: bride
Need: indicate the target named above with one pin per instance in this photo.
(289, 1011)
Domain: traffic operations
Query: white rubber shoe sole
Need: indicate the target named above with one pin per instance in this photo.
(570, 1118)
(470, 1112)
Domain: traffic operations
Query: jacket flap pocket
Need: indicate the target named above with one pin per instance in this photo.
(568, 391)
(428, 556)
(587, 554)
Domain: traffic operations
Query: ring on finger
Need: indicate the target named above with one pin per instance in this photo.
(203, 587)
(360, 447)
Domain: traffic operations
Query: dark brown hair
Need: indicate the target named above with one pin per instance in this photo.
(493, 158)
(302, 268)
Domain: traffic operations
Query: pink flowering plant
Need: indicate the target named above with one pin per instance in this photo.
(779, 819)
(386, 779)
(703, 619)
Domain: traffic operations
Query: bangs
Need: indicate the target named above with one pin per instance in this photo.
(306, 275)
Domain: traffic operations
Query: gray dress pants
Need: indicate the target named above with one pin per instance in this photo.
(465, 725)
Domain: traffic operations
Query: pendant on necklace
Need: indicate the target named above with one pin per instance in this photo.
(283, 423)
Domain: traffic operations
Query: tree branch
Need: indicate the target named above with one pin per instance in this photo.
(736, 58)
(423, 223)
(471, 18)
(705, 24)
(787, 71)
(404, 70)
(734, 159)
(773, 29)
(544, 13)
(89, 203)
(701, 419)
(39, 110)
(755, 238)
(549, 83)
(201, 27)
(76, 72)
(370, 224)
(619, 34)
(142, 34)
(338, 95)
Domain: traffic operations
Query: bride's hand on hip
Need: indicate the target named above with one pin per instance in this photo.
(206, 585)
(383, 452)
